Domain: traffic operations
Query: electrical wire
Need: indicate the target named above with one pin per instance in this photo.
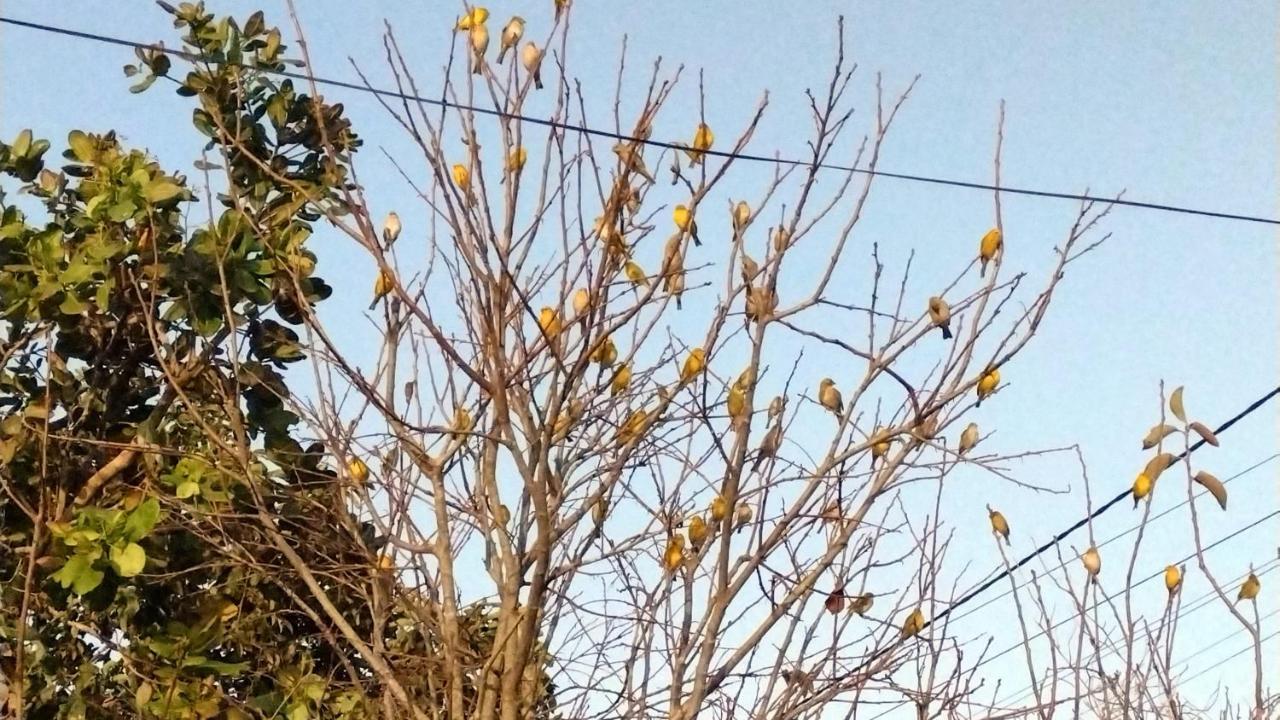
(1001, 575)
(1127, 531)
(597, 132)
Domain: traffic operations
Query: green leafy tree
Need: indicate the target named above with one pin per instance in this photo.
(173, 545)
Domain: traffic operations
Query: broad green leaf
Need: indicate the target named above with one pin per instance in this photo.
(71, 570)
(87, 581)
(162, 189)
(142, 520)
(187, 489)
(81, 146)
(129, 560)
(21, 144)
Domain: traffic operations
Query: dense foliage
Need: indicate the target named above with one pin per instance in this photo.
(174, 542)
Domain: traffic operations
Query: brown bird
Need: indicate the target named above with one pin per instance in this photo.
(940, 315)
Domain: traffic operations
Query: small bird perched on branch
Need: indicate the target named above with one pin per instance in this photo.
(511, 35)
(999, 525)
(940, 315)
(390, 229)
(531, 58)
(990, 246)
(829, 396)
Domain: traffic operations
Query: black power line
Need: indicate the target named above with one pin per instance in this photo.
(1091, 516)
(585, 130)
(1009, 570)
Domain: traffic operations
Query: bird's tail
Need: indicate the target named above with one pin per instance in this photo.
(503, 53)
(537, 80)
(374, 304)
(946, 332)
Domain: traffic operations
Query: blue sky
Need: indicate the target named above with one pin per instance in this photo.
(1171, 102)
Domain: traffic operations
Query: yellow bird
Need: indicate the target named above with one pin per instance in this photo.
(674, 554)
(737, 403)
(462, 177)
(861, 604)
(987, 384)
(549, 322)
(621, 379)
(742, 515)
(631, 428)
(719, 508)
(913, 624)
(879, 448)
(477, 16)
(940, 315)
(695, 363)
(968, 438)
(384, 284)
(479, 44)
(703, 139)
(1141, 487)
(1092, 561)
(606, 354)
(991, 245)
(999, 525)
(385, 563)
(531, 58)
(1249, 589)
(697, 531)
(517, 158)
(1172, 579)
(829, 396)
(461, 420)
(581, 301)
(358, 471)
(511, 35)
(635, 274)
(390, 229)
(684, 220)
(741, 214)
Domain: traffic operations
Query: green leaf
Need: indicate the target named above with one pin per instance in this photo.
(71, 305)
(122, 210)
(142, 84)
(22, 144)
(71, 570)
(142, 520)
(129, 560)
(187, 489)
(87, 581)
(103, 295)
(81, 146)
(162, 189)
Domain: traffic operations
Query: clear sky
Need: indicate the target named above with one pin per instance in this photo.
(1172, 102)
